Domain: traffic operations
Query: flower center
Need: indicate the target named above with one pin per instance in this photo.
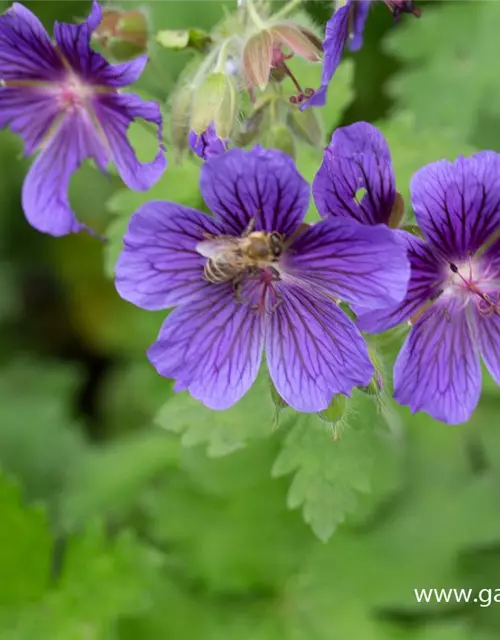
(470, 282)
(73, 93)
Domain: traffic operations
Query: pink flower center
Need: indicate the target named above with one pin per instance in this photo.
(470, 281)
(74, 94)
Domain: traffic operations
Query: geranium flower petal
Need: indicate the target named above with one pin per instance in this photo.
(438, 369)
(159, 266)
(357, 159)
(336, 34)
(313, 350)
(28, 111)
(115, 112)
(361, 10)
(487, 334)
(457, 204)
(26, 51)
(45, 189)
(212, 346)
(208, 144)
(74, 43)
(425, 282)
(260, 184)
(363, 265)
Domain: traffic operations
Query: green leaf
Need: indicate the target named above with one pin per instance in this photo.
(447, 77)
(25, 547)
(36, 399)
(222, 431)
(108, 479)
(100, 580)
(229, 523)
(333, 467)
(412, 146)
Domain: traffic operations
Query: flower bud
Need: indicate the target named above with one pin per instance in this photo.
(398, 211)
(307, 126)
(215, 100)
(303, 42)
(124, 34)
(334, 413)
(280, 137)
(180, 109)
(180, 39)
(257, 59)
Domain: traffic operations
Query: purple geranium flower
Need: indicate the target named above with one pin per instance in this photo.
(62, 98)
(356, 178)
(208, 144)
(212, 343)
(346, 27)
(453, 299)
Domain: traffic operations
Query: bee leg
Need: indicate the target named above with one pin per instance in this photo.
(250, 227)
(238, 288)
(208, 236)
(277, 304)
(279, 300)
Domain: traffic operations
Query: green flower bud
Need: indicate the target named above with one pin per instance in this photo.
(214, 100)
(180, 109)
(333, 414)
(124, 34)
(307, 126)
(179, 39)
(280, 137)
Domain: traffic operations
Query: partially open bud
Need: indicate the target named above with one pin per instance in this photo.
(301, 41)
(179, 39)
(398, 211)
(124, 34)
(280, 137)
(307, 126)
(257, 59)
(334, 413)
(214, 100)
(264, 57)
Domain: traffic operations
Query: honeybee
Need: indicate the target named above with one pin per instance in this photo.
(231, 258)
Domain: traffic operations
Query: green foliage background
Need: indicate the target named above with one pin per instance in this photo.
(129, 513)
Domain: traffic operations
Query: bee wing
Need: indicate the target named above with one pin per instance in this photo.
(219, 249)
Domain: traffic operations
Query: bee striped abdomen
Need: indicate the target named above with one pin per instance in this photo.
(218, 272)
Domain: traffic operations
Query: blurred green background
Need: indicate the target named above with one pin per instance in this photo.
(127, 513)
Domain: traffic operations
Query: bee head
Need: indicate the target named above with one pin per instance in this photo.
(276, 244)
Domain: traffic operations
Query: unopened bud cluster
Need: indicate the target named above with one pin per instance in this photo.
(238, 83)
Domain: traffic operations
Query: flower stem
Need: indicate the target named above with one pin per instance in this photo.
(287, 9)
(220, 65)
(254, 16)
